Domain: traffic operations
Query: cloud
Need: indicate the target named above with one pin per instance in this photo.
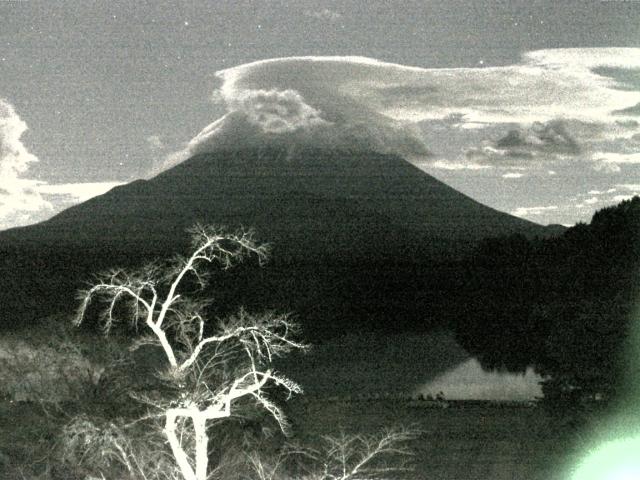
(19, 199)
(21, 205)
(524, 211)
(566, 210)
(599, 145)
(631, 190)
(155, 142)
(611, 161)
(629, 111)
(513, 175)
(24, 201)
(299, 102)
(532, 145)
(547, 84)
(75, 192)
(276, 111)
(544, 102)
(603, 192)
(449, 165)
(610, 196)
(540, 137)
(14, 156)
(629, 186)
(617, 158)
(620, 198)
(537, 142)
(324, 14)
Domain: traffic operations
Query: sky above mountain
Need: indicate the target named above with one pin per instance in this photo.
(529, 107)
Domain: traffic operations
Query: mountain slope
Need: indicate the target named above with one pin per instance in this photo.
(260, 187)
(355, 234)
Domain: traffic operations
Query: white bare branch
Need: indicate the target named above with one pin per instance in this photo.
(266, 336)
(210, 245)
(353, 457)
(198, 358)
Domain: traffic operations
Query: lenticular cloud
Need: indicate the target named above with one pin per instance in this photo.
(358, 102)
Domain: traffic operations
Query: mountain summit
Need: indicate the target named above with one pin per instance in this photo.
(351, 230)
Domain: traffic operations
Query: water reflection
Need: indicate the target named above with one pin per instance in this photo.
(468, 381)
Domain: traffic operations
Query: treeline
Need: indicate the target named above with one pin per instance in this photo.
(563, 304)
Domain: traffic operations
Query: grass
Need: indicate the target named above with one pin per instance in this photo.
(467, 441)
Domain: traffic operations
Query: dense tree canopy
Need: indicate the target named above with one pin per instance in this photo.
(561, 304)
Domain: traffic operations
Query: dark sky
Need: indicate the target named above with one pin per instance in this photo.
(96, 92)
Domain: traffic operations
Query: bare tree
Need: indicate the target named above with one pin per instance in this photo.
(375, 456)
(208, 368)
(344, 456)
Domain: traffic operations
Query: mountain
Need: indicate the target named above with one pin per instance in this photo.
(359, 238)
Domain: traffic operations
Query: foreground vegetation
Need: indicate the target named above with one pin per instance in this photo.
(564, 305)
(177, 403)
(463, 442)
(467, 440)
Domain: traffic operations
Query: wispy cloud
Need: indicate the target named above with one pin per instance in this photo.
(631, 190)
(452, 165)
(620, 198)
(602, 192)
(512, 175)
(75, 192)
(584, 204)
(155, 142)
(528, 211)
(615, 158)
(538, 142)
(324, 14)
(629, 186)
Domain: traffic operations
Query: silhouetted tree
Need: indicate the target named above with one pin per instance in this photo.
(560, 304)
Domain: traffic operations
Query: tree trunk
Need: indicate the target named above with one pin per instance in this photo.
(178, 453)
(202, 442)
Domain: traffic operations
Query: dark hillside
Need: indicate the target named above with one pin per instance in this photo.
(357, 236)
(563, 304)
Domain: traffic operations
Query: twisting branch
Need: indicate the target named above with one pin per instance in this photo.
(211, 246)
